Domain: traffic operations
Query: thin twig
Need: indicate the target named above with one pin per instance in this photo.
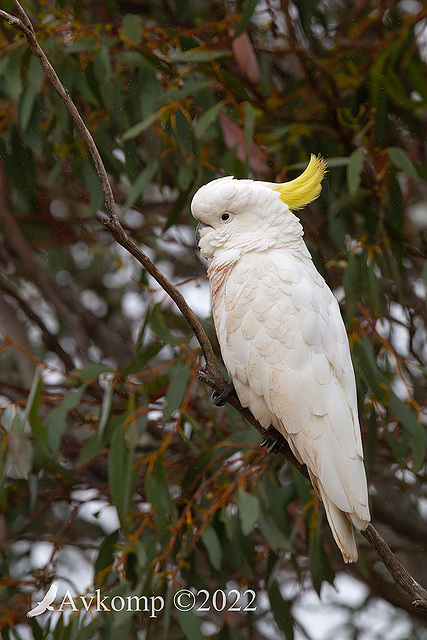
(211, 373)
(49, 338)
(112, 222)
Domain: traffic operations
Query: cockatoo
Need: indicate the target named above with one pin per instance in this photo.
(282, 337)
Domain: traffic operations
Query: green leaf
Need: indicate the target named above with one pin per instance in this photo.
(303, 486)
(418, 447)
(398, 445)
(198, 465)
(371, 292)
(248, 11)
(354, 169)
(91, 181)
(248, 510)
(105, 408)
(201, 55)
(102, 65)
(351, 288)
(332, 163)
(37, 631)
(26, 106)
(92, 370)
(84, 44)
(121, 474)
(19, 446)
(157, 489)
(138, 59)
(366, 364)
(184, 132)
(161, 329)
(206, 119)
(320, 566)
(407, 419)
(106, 552)
(190, 625)
(213, 546)
(191, 87)
(13, 74)
(132, 27)
(87, 91)
(90, 449)
(281, 612)
(370, 443)
(228, 632)
(140, 183)
(137, 129)
(275, 537)
(184, 176)
(179, 376)
(400, 160)
(34, 83)
(56, 419)
(38, 428)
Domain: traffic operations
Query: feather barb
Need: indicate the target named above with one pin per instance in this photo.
(306, 188)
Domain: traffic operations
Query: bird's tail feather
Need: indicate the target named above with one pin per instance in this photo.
(341, 530)
(339, 522)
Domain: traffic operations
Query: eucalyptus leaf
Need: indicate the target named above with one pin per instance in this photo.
(248, 510)
(249, 7)
(121, 474)
(402, 161)
(354, 169)
(206, 119)
(190, 625)
(213, 546)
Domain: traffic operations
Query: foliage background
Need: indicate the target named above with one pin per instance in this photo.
(117, 473)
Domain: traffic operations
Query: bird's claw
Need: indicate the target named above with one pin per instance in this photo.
(220, 399)
(273, 439)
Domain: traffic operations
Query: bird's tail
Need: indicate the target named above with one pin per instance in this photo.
(342, 530)
(340, 524)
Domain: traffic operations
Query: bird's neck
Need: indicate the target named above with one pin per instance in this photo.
(274, 238)
(222, 264)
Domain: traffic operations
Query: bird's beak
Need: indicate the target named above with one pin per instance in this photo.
(199, 227)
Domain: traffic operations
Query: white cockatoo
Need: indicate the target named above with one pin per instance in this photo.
(282, 337)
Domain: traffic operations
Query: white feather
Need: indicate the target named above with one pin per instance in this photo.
(284, 343)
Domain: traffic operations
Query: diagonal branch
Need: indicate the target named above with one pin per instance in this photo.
(396, 568)
(211, 373)
(112, 222)
(49, 338)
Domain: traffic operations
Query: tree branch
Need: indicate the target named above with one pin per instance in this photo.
(49, 338)
(211, 373)
(396, 568)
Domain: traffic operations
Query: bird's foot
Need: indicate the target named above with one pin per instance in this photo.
(220, 399)
(273, 439)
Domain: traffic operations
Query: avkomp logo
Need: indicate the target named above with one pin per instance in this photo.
(46, 603)
(151, 605)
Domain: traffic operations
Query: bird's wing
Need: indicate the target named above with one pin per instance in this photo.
(285, 346)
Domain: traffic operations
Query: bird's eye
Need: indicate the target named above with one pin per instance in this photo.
(226, 216)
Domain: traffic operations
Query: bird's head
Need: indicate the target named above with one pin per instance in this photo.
(235, 214)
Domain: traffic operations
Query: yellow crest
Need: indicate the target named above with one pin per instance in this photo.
(306, 188)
